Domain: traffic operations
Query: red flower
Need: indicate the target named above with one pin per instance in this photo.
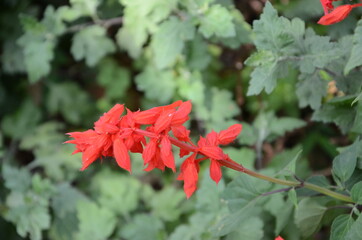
(279, 238)
(337, 15)
(114, 136)
(327, 5)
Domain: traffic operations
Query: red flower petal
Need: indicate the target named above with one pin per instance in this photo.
(211, 138)
(337, 15)
(181, 133)
(212, 152)
(182, 113)
(229, 135)
(215, 171)
(149, 151)
(147, 117)
(189, 174)
(166, 153)
(120, 152)
(164, 121)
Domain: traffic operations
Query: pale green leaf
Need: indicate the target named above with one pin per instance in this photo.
(356, 193)
(345, 163)
(168, 42)
(310, 90)
(12, 58)
(18, 180)
(157, 85)
(91, 44)
(308, 216)
(355, 231)
(166, 204)
(95, 222)
(340, 227)
(285, 124)
(143, 227)
(114, 78)
(217, 21)
(355, 59)
(252, 229)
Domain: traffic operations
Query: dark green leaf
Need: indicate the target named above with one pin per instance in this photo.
(308, 216)
(340, 227)
(356, 193)
(355, 59)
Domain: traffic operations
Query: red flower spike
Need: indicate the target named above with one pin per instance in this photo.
(166, 154)
(229, 135)
(155, 162)
(120, 152)
(336, 15)
(215, 170)
(149, 151)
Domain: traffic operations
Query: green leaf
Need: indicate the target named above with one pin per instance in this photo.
(282, 125)
(143, 227)
(28, 213)
(168, 42)
(355, 59)
(166, 204)
(68, 99)
(270, 30)
(198, 54)
(357, 125)
(114, 78)
(94, 222)
(263, 77)
(21, 122)
(280, 209)
(318, 52)
(217, 21)
(252, 229)
(345, 163)
(356, 193)
(85, 7)
(157, 85)
(91, 44)
(38, 53)
(355, 231)
(12, 58)
(292, 197)
(342, 116)
(308, 216)
(110, 189)
(248, 135)
(18, 180)
(340, 227)
(310, 90)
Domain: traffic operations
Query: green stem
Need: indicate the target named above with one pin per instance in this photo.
(311, 186)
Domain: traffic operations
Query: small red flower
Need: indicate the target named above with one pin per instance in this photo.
(336, 15)
(189, 174)
(279, 238)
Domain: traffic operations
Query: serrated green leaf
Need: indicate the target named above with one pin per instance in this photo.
(157, 85)
(94, 222)
(308, 216)
(12, 58)
(356, 193)
(217, 21)
(91, 44)
(114, 78)
(345, 163)
(68, 99)
(355, 59)
(18, 180)
(166, 204)
(310, 90)
(85, 7)
(38, 53)
(22, 122)
(198, 55)
(319, 51)
(252, 229)
(110, 189)
(143, 227)
(285, 124)
(168, 42)
(270, 30)
(30, 217)
(340, 227)
(263, 77)
(355, 231)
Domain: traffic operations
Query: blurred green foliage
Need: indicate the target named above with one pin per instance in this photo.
(295, 87)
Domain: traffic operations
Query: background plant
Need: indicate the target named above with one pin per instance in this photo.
(298, 96)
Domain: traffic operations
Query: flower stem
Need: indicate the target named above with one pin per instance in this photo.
(310, 186)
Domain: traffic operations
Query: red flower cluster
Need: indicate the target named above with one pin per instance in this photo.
(115, 135)
(333, 15)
